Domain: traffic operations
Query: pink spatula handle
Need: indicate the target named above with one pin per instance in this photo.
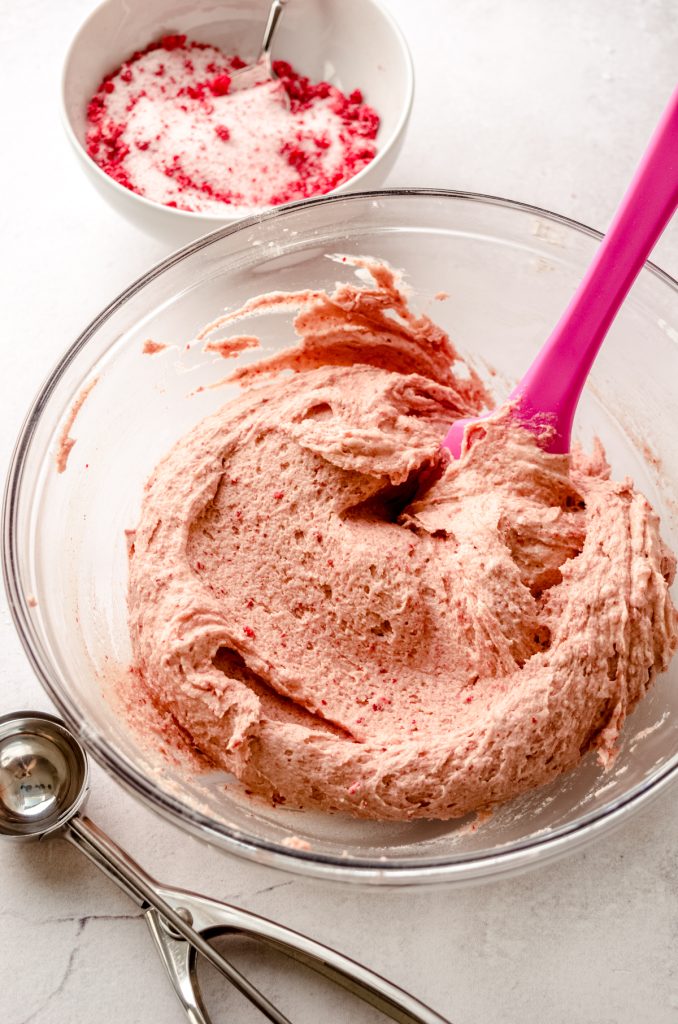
(555, 379)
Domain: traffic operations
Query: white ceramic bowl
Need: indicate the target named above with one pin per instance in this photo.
(354, 44)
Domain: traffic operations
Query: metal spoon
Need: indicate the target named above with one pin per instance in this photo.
(262, 69)
(44, 782)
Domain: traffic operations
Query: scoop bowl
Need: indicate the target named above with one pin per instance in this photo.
(44, 776)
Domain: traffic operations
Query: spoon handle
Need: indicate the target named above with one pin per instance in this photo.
(554, 381)
(271, 25)
(134, 881)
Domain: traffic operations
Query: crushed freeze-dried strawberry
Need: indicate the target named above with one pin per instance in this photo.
(277, 159)
(220, 85)
(172, 42)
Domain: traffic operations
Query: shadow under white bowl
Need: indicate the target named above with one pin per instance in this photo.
(509, 270)
(354, 44)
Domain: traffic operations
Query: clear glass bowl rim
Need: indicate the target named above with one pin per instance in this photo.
(395, 871)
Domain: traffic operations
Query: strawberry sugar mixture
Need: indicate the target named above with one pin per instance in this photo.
(334, 611)
(166, 125)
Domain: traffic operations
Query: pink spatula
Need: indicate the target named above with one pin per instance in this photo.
(553, 383)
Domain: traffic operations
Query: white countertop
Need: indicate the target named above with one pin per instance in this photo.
(550, 103)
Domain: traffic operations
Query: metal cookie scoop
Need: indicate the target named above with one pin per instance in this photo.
(262, 69)
(44, 782)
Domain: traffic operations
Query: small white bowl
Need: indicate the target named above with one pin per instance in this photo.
(354, 44)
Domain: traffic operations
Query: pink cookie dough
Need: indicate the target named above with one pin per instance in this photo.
(346, 620)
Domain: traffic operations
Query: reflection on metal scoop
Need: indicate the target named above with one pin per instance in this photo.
(43, 787)
(262, 69)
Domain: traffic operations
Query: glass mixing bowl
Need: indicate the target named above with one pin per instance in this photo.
(508, 269)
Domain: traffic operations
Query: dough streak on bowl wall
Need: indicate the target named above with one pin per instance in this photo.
(345, 620)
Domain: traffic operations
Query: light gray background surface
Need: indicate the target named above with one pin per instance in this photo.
(544, 101)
